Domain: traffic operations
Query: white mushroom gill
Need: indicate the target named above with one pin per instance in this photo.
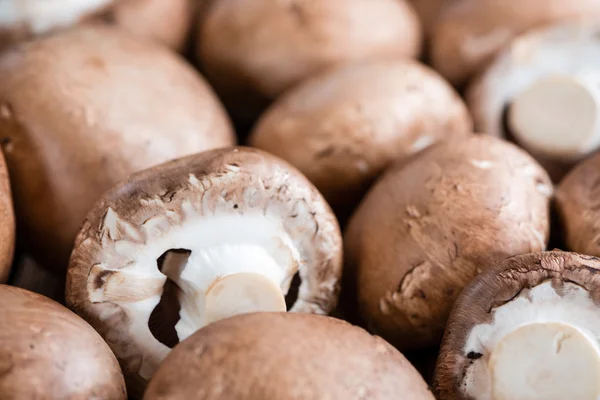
(542, 345)
(42, 16)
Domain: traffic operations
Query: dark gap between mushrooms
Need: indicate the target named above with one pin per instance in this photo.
(292, 294)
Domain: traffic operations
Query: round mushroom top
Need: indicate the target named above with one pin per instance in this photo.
(537, 291)
(430, 225)
(291, 356)
(82, 109)
(469, 33)
(229, 211)
(48, 352)
(7, 223)
(342, 128)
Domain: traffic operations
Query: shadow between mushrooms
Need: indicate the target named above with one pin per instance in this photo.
(242, 223)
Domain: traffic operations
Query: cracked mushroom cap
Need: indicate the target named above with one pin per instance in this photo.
(7, 223)
(469, 33)
(48, 352)
(163, 21)
(285, 356)
(525, 329)
(83, 109)
(577, 199)
(242, 224)
(428, 226)
(543, 91)
(254, 50)
(344, 127)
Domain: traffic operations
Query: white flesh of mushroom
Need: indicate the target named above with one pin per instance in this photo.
(42, 16)
(558, 116)
(541, 345)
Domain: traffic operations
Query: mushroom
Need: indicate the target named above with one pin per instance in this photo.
(254, 50)
(164, 21)
(428, 226)
(542, 91)
(342, 128)
(7, 223)
(469, 33)
(577, 199)
(428, 11)
(285, 356)
(223, 232)
(525, 329)
(81, 110)
(48, 352)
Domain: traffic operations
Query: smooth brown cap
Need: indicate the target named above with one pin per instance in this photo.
(83, 109)
(7, 223)
(48, 352)
(285, 356)
(496, 286)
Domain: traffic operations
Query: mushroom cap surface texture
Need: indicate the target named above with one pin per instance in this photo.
(7, 223)
(48, 352)
(469, 33)
(80, 111)
(342, 128)
(551, 287)
(428, 225)
(285, 356)
(254, 50)
(163, 21)
(233, 210)
(577, 199)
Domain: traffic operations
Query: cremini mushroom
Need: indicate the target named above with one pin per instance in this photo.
(342, 128)
(164, 21)
(223, 232)
(285, 356)
(577, 199)
(428, 11)
(48, 352)
(7, 223)
(469, 33)
(543, 91)
(254, 50)
(82, 109)
(430, 225)
(525, 329)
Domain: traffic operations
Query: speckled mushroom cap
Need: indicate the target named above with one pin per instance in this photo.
(7, 223)
(342, 128)
(164, 21)
(577, 199)
(254, 50)
(235, 210)
(48, 352)
(469, 33)
(430, 225)
(525, 329)
(80, 111)
(285, 356)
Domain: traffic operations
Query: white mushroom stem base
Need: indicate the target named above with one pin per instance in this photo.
(542, 345)
(545, 361)
(558, 116)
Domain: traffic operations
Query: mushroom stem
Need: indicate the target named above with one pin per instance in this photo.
(557, 116)
(545, 359)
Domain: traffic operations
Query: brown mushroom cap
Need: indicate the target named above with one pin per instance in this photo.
(254, 50)
(541, 287)
(344, 127)
(285, 356)
(425, 229)
(48, 352)
(232, 210)
(7, 223)
(577, 199)
(163, 21)
(428, 11)
(469, 33)
(80, 111)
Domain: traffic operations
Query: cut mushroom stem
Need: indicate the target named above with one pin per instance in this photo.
(557, 116)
